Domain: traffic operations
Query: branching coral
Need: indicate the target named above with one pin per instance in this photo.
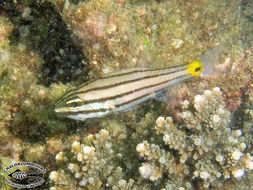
(95, 165)
(203, 152)
(203, 147)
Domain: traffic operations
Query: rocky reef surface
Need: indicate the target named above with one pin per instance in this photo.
(189, 142)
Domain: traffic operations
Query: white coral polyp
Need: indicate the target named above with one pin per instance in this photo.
(238, 133)
(220, 111)
(249, 165)
(59, 156)
(243, 146)
(166, 138)
(238, 173)
(219, 158)
(140, 147)
(217, 90)
(76, 146)
(249, 161)
(204, 175)
(185, 104)
(208, 93)
(186, 115)
(54, 176)
(88, 150)
(216, 119)
(199, 100)
(146, 171)
(160, 122)
(104, 133)
(197, 141)
(236, 155)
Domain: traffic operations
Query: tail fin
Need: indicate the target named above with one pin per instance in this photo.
(210, 59)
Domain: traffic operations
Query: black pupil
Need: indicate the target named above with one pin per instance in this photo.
(197, 69)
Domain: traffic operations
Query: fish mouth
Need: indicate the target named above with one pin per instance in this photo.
(56, 110)
(59, 106)
(59, 112)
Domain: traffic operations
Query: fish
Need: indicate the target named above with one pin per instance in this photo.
(122, 91)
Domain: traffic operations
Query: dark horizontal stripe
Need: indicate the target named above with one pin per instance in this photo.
(144, 70)
(83, 112)
(113, 97)
(129, 72)
(125, 82)
(104, 77)
(157, 91)
(127, 93)
(68, 93)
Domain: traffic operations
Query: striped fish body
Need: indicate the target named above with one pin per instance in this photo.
(120, 91)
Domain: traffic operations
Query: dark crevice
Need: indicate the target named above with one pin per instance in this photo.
(48, 36)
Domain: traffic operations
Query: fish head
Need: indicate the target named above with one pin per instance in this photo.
(67, 104)
(74, 107)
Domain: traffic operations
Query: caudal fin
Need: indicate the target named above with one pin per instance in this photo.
(210, 59)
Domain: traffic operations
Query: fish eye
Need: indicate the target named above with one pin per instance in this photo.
(197, 69)
(73, 104)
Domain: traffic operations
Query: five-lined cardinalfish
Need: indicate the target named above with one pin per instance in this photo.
(122, 91)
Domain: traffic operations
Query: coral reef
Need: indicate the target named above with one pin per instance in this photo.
(203, 147)
(94, 166)
(248, 119)
(202, 152)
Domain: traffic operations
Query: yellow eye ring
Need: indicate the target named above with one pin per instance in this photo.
(195, 68)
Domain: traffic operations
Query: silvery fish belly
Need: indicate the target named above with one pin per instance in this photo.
(121, 91)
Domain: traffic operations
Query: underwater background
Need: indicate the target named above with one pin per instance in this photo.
(200, 136)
